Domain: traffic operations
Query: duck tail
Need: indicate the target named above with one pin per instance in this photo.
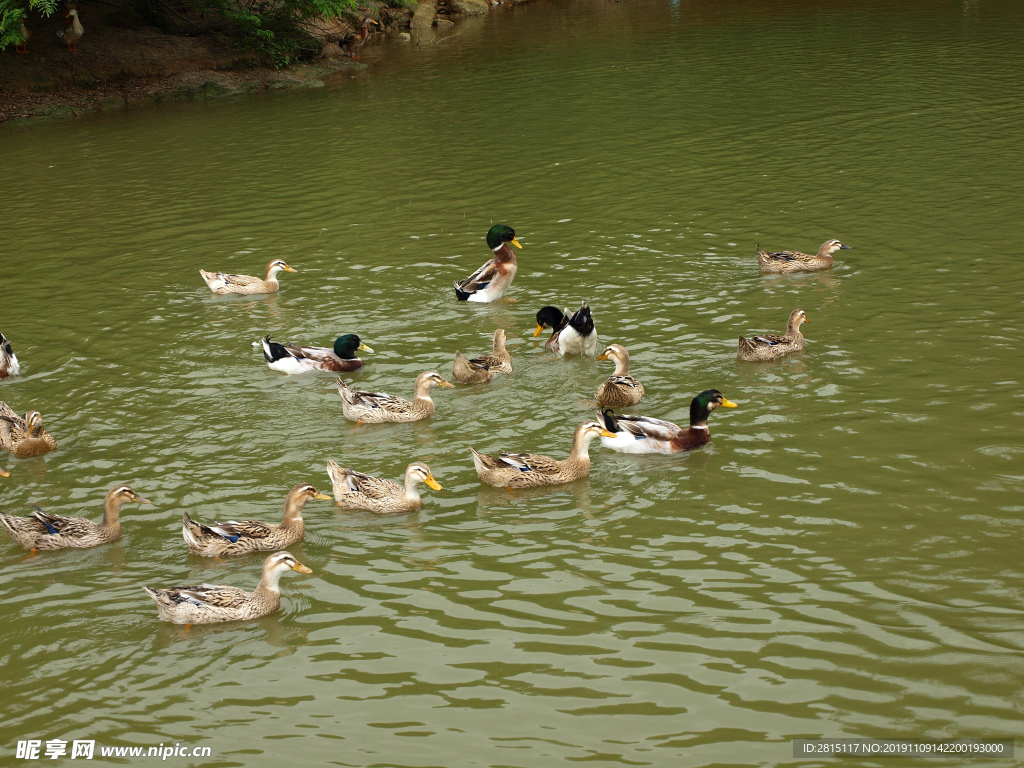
(606, 418)
(460, 294)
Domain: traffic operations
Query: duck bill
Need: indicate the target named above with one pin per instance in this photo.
(286, 268)
(606, 433)
(433, 483)
(301, 568)
(539, 331)
(322, 496)
(602, 356)
(445, 384)
(807, 319)
(515, 243)
(4, 472)
(728, 403)
(363, 348)
(140, 500)
(845, 248)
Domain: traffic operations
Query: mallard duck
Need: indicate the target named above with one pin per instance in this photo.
(8, 360)
(354, 490)
(479, 370)
(620, 389)
(46, 531)
(353, 41)
(208, 604)
(222, 283)
(74, 32)
(570, 334)
(22, 47)
(24, 436)
(529, 470)
(794, 261)
(642, 434)
(378, 407)
(291, 358)
(236, 537)
(771, 347)
(489, 282)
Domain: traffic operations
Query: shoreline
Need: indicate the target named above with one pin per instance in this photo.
(121, 67)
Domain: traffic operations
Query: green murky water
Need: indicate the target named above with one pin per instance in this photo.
(843, 559)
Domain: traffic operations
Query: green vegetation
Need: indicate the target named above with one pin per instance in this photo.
(273, 29)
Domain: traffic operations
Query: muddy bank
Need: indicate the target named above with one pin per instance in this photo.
(116, 66)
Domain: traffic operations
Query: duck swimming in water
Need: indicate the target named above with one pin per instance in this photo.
(642, 434)
(570, 334)
(491, 281)
(785, 262)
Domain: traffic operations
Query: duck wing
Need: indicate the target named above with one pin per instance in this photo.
(530, 462)
(478, 281)
(58, 525)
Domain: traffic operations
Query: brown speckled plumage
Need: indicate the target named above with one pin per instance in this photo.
(24, 436)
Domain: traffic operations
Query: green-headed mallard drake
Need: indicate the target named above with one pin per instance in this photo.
(379, 407)
(529, 470)
(642, 434)
(479, 370)
(571, 334)
(8, 360)
(47, 531)
(353, 41)
(354, 490)
(222, 283)
(236, 537)
(208, 604)
(74, 31)
(24, 436)
(620, 389)
(489, 282)
(768, 346)
(291, 358)
(794, 261)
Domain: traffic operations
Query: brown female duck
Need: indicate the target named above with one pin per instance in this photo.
(479, 370)
(530, 470)
(794, 261)
(620, 389)
(45, 531)
(769, 346)
(24, 436)
(236, 537)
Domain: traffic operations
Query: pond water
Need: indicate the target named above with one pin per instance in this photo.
(842, 560)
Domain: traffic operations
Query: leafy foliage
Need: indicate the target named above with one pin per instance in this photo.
(270, 28)
(13, 11)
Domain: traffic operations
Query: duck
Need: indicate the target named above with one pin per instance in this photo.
(570, 334)
(292, 358)
(73, 33)
(379, 407)
(223, 283)
(354, 490)
(642, 434)
(208, 604)
(620, 389)
(491, 281)
(353, 41)
(24, 436)
(22, 47)
(45, 531)
(480, 370)
(768, 346)
(236, 537)
(529, 470)
(794, 261)
(9, 365)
